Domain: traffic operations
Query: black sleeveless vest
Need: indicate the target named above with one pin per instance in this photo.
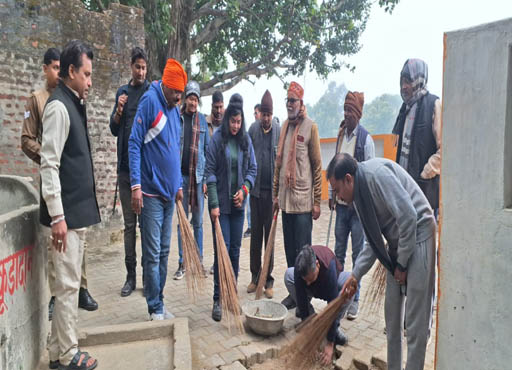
(423, 145)
(76, 173)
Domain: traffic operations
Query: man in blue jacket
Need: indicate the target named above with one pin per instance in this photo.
(194, 142)
(156, 180)
(121, 120)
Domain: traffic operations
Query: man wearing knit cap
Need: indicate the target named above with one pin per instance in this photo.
(264, 134)
(297, 187)
(156, 180)
(352, 139)
(214, 119)
(194, 142)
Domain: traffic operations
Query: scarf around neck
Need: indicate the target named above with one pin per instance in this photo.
(291, 163)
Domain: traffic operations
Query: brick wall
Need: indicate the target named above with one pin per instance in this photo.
(27, 30)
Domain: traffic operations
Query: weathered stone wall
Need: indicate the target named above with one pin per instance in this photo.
(475, 296)
(27, 30)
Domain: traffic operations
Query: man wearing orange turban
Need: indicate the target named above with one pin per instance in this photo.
(297, 178)
(352, 139)
(156, 180)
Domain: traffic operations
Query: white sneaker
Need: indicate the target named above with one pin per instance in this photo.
(156, 317)
(167, 315)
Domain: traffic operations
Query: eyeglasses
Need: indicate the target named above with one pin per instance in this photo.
(291, 100)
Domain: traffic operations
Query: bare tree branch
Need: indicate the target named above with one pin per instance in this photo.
(207, 9)
(211, 31)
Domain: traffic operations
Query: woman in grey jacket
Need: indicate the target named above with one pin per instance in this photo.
(230, 175)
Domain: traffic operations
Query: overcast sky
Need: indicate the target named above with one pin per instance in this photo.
(414, 30)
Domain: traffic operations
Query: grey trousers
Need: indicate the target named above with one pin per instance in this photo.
(417, 304)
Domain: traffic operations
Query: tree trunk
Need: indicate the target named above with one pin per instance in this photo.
(179, 44)
(153, 48)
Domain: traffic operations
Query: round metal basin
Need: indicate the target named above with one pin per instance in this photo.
(264, 317)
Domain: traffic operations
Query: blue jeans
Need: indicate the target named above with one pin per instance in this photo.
(297, 228)
(232, 226)
(197, 217)
(156, 221)
(248, 211)
(347, 222)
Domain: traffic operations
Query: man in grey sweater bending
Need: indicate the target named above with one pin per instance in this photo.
(389, 203)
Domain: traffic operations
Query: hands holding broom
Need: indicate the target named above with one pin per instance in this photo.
(349, 288)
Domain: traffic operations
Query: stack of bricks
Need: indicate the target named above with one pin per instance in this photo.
(27, 30)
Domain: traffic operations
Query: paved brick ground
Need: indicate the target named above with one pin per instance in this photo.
(213, 345)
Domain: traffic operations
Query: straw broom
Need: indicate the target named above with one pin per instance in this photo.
(302, 352)
(269, 249)
(191, 259)
(227, 283)
(374, 296)
(373, 300)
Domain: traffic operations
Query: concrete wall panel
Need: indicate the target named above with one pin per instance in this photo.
(475, 319)
(23, 283)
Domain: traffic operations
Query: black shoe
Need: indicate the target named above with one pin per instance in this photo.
(51, 305)
(85, 300)
(247, 233)
(217, 311)
(128, 288)
(340, 339)
(289, 303)
(180, 272)
(311, 311)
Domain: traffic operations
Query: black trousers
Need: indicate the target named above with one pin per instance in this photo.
(130, 223)
(297, 228)
(261, 222)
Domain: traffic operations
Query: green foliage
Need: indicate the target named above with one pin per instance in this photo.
(328, 111)
(253, 37)
(378, 116)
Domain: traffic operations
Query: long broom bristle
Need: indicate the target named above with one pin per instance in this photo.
(191, 260)
(269, 250)
(302, 352)
(374, 297)
(227, 283)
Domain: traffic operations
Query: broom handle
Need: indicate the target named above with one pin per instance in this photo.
(329, 229)
(262, 276)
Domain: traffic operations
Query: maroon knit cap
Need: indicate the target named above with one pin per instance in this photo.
(354, 101)
(266, 103)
